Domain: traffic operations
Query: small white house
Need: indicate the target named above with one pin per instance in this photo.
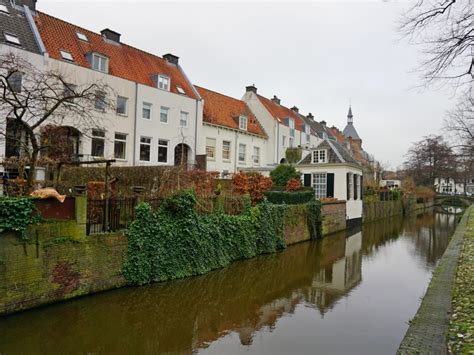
(448, 186)
(331, 170)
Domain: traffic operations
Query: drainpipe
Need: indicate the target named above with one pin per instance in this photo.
(135, 126)
(235, 154)
(278, 143)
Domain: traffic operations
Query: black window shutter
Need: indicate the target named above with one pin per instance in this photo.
(330, 185)
(307, 180)
(361, 187)
(348, 179)
(356, 177)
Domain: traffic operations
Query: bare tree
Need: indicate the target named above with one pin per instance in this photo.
(460, 122)
(31, 98)
(445, 30)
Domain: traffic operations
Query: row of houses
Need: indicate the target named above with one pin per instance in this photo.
(161, 118)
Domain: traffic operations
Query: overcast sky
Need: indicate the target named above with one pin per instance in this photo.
(318, 56)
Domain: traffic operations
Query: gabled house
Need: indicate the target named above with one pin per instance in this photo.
(233, 137)
(333, 173)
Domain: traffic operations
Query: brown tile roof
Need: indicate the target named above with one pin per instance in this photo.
(337, 134)
(124, 61)
(223, 110)
(280, 113)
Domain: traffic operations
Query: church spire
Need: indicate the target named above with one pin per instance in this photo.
(349, 115)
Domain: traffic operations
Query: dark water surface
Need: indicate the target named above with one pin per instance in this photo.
(342, 295)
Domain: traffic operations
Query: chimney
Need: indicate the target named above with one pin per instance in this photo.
(310, 116)
(171, 58)
(110, 35)
(251, 88)
(276, 100)
(30, 3)
(323, 123)
(294, 108)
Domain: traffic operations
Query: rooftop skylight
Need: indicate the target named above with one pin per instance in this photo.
(66, 55)
(11, 38)
(82, 36)
(3, 8)
(180, 90)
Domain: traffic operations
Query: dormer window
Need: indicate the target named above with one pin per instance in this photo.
(180, 90)
(319, 156)
(3, 9)
(11, 38)
(66, 55)
(163, 82)
(243, 123)
(82, 36)
(100, 63)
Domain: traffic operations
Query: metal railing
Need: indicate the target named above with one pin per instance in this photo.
(109, 215)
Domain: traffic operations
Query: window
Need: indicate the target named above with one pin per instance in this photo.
(15, 81)
(99, 103)
(3, 9)
(292, 142)
(82, 36)
(308, 139)
(319, 185)
(66, 55)
(146, 111)
(183, 122)
(243, 123)
(211, 148)
(226, 150)
(164, 114)
(69, 90)
(319, 156)
(145, 146)
(99, 62)
(291, 124)
(256, 155)
(98, 143)
(120, 145)
(283, 141)
(349, 186)
(122, 103)
(163, 82)
(180, 90)
(242, 153)
(11, 38)
(162, 151)
(307, 130)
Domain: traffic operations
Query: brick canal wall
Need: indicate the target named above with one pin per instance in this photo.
(59, 261)
(375, 210)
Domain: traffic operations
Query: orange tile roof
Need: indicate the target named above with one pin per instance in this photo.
(280, 112)
(338, 134)
(124, 61)
(224, 110)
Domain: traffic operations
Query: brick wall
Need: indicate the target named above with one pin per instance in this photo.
(334, 216)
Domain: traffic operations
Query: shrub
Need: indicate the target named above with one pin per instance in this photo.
(16, 214)
(293, 185)
(289, 198)
(283, 173)
(254, 184)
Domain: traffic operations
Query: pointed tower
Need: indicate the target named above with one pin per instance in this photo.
(349, 130)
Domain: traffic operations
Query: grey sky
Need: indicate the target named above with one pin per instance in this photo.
(317, 56)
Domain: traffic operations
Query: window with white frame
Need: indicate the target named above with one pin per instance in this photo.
(97, 143)
(162, 151)
(183, 120)
(319, 156)
(242, 153)
(256, 155)
(120, 146)
(226, 150)
(100, 63)
(291, 124)
(243, 123)
(292, 142)
(180, 90)
(163, 82)
(82, 36)
(211, 148)
(283, 141)
(350, 187)
(320, 184)
(15, 81)
(122, 105)
(11, 38)
(66, 55)
(99, 102)
(164, 114)
(146, 111)
(145, 148)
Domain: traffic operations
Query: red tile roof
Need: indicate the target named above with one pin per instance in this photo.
(280, 112)
(223, 110)
(124, 61)
(338, 134)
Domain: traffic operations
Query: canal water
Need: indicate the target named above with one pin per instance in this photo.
(350, 293)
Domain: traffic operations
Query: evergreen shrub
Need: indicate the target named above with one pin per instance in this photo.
(289, 198)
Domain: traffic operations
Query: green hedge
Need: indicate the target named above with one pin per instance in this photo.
(283, 188)
(174, 241)
(16, 214)
(289, 198)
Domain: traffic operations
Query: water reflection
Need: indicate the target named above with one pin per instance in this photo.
(305, 284)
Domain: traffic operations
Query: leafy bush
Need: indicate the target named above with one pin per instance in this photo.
(174, 241)
(289, 198)
(293, 185)
(254, 184)
(16, 214)
(283, 173)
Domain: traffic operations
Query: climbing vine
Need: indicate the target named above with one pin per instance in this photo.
(16, 214)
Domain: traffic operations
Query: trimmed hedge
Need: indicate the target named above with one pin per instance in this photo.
(289, 198)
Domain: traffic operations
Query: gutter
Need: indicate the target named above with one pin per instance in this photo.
(135, 126)
(34, 29)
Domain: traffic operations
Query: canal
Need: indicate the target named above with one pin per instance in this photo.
(350, 293)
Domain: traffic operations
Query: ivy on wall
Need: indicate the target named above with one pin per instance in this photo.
(174, 241)
(16, 214)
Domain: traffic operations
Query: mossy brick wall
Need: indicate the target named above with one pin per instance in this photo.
(376, 210)
(334, 216)
(57, 262)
